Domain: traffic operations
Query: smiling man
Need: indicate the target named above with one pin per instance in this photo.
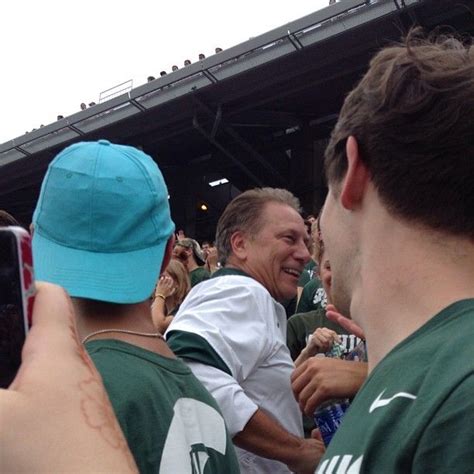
(398, 225)
(231, 330)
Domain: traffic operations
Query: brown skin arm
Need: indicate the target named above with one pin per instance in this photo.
(265, 437)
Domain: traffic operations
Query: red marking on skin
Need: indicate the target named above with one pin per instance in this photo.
(99, 415)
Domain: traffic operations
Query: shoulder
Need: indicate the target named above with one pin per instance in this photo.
(226, 290)
(313, 317)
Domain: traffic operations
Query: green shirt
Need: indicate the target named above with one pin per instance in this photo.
(307, 274)
(197, 275)
(415, 412)
(302, 325)
(312, 297)
(170, 421)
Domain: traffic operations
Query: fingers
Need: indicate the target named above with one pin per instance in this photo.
(333, 315)
(324, 338)
(53, 332)
(307, 389)
(316, 434)
(312, 383)
(166, 285)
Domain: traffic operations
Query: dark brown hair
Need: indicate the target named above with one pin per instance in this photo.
(412, 115)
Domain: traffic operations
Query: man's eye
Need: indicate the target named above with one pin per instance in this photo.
(289, 238)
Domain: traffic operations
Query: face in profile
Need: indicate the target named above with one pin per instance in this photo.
(277, 254)
(340, 250)
(205, 249)
(326, 277)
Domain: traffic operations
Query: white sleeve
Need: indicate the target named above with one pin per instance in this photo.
(234, 317)
(236, 407)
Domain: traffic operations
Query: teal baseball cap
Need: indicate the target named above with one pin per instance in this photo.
(102, 223)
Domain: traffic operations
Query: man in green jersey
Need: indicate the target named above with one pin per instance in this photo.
(398, 224)
(103, 231)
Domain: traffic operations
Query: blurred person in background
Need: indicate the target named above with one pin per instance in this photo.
(189, 253)
(172, 288)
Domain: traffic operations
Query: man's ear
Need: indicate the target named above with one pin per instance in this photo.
(168, 253)
(357, 176)
(238, 244)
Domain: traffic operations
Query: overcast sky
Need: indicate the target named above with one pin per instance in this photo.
(56, 55)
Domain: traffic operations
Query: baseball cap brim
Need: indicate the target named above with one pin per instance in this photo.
(125, 278)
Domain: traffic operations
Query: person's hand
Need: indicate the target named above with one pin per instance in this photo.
(333, 315)
(322, 378)
(180, 235)
(56, 416)
(307, 456)
(321, 341)
(211, 260)
(165, 287)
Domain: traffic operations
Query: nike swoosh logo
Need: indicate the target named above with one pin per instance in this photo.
(381, 402)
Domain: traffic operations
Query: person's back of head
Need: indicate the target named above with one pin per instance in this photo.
(102, 223)
(412, 115)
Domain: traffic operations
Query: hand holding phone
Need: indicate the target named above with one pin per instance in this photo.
(16, 298)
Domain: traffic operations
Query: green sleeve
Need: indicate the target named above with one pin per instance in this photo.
(447, 444)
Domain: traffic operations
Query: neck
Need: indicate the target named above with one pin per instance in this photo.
(235, 264)
(95, 316)
(192, 265)
(406, 281)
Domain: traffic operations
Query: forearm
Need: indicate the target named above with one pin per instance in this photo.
(254, 430)
(265, 437)
(158, 314)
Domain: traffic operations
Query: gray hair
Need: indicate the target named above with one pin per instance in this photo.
(243, 214)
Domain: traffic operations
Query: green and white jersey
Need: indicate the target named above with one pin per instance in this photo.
(307, 274)
(313, 297)
(171, 422)
(232, 334)
(415, 412)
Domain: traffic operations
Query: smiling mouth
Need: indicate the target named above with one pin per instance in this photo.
(292, 272)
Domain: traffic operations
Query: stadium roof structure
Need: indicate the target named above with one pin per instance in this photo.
(251, 114)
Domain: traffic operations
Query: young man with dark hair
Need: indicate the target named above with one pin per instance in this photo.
(103, 231)
(398, 225)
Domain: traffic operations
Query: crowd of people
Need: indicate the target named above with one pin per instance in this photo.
(150, 352)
